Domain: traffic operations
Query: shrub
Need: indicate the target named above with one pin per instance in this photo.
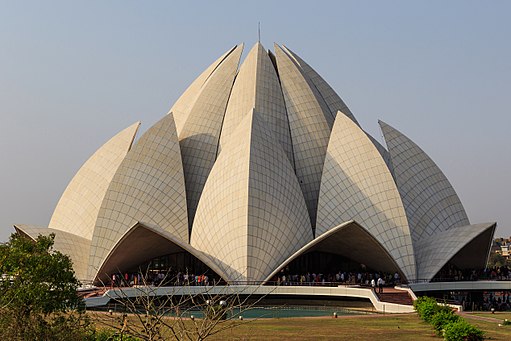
(442, 318)
(462, 330)
(426, 307)
(506, 322)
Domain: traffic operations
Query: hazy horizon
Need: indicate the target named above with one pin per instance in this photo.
(72, 75)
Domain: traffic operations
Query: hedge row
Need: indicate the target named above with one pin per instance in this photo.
(446, 323)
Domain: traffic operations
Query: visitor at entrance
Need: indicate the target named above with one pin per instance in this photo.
(381, 282)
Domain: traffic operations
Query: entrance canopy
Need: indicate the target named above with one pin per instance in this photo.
(352, 241)
(141, 243)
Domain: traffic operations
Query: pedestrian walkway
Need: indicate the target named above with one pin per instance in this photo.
(481, 318)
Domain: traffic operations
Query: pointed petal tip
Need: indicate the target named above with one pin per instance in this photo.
(288, 51)
(341, 112)
(259, 45)
(382, 124)
(136, 126)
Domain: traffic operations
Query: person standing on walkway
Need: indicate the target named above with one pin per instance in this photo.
(380, 285)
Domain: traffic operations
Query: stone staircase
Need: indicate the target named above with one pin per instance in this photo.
(391, 295)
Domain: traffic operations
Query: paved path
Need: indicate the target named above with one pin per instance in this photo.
(481, 318)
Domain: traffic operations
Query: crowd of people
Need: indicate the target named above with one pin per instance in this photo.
(499, 302)
(179, 278)
(285, 277)
(450, 273)
(363, 278)
(481, 301)
(162, 278)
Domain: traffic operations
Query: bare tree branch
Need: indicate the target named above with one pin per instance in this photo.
(182, 312)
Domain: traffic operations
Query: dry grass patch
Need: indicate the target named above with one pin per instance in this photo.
(362, 327)
(370, 328)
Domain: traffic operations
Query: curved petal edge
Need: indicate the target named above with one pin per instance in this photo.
(148, 186)
(249, 219)
(430, 201)
(78, 207)
(433, 252)
(357, 185)
(76, 247)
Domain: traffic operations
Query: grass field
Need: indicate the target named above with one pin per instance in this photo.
(364, 327)
(374, 327)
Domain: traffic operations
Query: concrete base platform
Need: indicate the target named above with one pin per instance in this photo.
(287, 292)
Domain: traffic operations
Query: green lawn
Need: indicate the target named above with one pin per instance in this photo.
(491, 328)
(364, 327)
(370, 328)
(374, 327)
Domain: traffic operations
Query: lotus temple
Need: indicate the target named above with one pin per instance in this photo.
(258, 167)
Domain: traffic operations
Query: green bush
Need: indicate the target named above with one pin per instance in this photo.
(506, 322)
(461, 330)
(426, 307)
(442, 318)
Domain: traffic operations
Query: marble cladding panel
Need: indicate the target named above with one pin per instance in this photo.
(430, 201)
(77, 209)
(357, 185)
(148, 186)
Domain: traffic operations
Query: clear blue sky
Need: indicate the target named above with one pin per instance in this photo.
(73, 74)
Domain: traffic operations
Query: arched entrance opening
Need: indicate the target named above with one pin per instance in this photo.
(150, 254)
(340, 255)
(323, 268)
(179, 268)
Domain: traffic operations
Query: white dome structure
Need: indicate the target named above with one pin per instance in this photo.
(254, 167)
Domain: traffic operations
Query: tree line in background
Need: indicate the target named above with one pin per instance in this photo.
(497, 259)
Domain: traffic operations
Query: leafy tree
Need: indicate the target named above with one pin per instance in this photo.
(38, 297)
(496, 260)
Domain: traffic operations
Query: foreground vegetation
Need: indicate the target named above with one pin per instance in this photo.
(38, 299)
(448, 324)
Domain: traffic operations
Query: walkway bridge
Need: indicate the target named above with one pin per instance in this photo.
(393, 300)
(461, 286)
